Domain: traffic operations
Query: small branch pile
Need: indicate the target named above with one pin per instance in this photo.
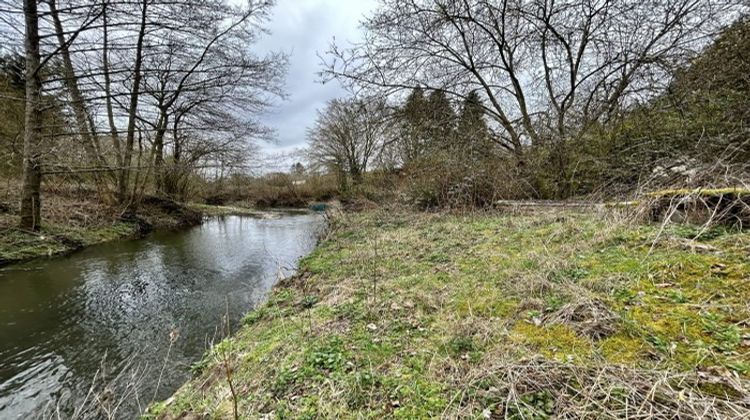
(727, 206)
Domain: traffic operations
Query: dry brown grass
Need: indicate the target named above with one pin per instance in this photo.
(523, 389)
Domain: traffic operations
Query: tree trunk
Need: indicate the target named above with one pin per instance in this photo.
(175, 172)
(356, 174)
(159, 167)
(80, 111)
(32, 171)
(564, 187)
(342, 177)
(124, 178)
(108, 87)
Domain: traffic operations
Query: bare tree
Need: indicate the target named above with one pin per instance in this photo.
(81, 112)
(124, 175)
(153, 88)
(347, 136)
(45, 122)
(548, 70)
(204, 73)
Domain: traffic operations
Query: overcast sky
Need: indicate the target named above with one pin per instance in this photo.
(303, 28)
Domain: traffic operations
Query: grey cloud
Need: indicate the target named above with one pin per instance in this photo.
(303, 28)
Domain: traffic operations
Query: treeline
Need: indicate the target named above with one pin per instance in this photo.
(475, 101)
(136, 96)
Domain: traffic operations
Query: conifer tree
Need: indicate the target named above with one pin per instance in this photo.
(413, 126)
(441, 121)
(472, 133)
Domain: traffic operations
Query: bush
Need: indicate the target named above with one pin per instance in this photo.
(272, 190)
(441, 181)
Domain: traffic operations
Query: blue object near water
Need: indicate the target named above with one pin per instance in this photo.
(318, 207)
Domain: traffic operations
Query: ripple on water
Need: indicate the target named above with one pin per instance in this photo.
(105, 315)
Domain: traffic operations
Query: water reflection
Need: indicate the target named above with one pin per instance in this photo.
(60, 318)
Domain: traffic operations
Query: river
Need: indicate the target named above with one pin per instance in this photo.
(128, 315)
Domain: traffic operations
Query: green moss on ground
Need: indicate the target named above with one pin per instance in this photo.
(18, 245)
(701, 192)
(406, 315)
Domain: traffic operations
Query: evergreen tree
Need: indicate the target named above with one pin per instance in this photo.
(441, 121)
(703, 118)
(472, 134)
(413, 140)
(298, 169)
(12, 69)
(428, 124)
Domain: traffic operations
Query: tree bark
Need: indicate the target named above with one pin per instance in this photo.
(32, 172)
(124, 178)
(173, 172)
(81, 113)
(161, 129)
(108, 86)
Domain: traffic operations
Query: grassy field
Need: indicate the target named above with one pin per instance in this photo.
(406, 315)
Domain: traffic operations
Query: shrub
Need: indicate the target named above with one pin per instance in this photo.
(441, 181)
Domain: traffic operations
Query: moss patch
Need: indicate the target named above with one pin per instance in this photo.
(702, 192)
(17, 245)
(554, 341)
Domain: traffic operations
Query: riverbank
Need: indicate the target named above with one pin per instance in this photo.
(75, 224)
(412, 315)
(93, 224)
(140, 309)
(236, 210)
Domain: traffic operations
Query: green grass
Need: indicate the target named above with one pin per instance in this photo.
(18, 245)
(405, 315)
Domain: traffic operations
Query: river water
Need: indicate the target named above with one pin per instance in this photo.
(115, 320)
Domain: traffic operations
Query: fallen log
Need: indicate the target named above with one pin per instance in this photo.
(726, 206)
